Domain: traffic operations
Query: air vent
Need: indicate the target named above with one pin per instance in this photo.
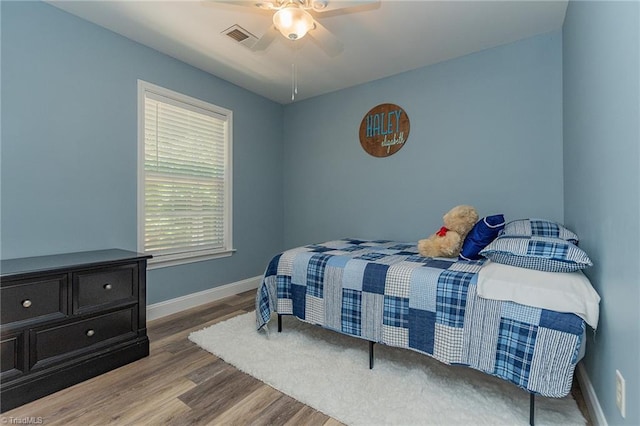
(242, 36)
(238, 35)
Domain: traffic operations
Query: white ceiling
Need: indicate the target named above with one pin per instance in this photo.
(380, 40)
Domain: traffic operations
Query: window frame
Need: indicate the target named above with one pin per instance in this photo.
(159, 261)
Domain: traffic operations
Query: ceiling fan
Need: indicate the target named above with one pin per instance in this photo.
(295, 18)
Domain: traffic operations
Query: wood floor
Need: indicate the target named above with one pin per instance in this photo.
(178, 384)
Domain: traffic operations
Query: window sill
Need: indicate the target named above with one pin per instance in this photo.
(181, 259)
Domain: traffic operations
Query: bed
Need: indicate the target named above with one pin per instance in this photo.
(385, 292)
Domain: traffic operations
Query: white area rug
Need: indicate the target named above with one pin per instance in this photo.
(330, 372)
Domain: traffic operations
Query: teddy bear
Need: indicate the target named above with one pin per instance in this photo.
(447, 242)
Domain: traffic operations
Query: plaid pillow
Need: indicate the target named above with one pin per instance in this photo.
(540, 253)
(539, 228)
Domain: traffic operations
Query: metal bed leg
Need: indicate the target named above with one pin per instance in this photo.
(279, 323)
(532, 403)
(371, 354)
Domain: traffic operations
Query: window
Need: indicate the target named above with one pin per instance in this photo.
(184, 177)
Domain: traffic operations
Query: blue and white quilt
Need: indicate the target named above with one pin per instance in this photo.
(385, 292)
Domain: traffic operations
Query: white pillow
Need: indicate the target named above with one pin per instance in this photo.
(556, 291)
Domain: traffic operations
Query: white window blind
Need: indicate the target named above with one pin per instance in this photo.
(186, 170)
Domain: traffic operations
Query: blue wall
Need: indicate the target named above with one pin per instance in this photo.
(602, 184)
(486, 130)
(69, 147)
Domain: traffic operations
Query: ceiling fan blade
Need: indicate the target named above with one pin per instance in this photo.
(327, 41)
(338, 7)
(266, 4)
(266, 39)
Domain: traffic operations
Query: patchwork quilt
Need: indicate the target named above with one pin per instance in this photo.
(385, 292)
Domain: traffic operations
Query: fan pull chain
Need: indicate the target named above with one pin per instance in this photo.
(294, 81)
(294, 70)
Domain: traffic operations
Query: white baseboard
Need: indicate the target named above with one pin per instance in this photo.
(168, 307)
(590, 397)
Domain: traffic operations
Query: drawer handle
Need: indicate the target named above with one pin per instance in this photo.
(26, 303)
(90, 333)
(107, 287)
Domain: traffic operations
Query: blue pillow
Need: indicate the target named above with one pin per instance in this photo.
(539, 228)
(482, 233)
(539, 253)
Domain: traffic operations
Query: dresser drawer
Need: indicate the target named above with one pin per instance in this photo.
(12, 356)
(31, 299)
(97, 288)
(50, 344)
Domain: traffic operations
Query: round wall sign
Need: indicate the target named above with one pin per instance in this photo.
(384, 130)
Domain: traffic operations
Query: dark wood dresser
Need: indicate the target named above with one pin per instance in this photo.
(69, 317)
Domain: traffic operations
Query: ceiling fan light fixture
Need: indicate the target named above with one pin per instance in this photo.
(293, 22)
